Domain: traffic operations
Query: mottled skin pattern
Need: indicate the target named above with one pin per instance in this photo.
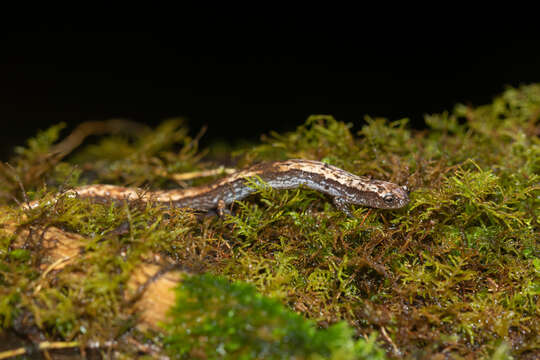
(345, 188)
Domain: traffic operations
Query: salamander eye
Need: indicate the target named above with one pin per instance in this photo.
(388, 198)
(406, 189)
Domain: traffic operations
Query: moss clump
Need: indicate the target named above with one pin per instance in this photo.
(237, 322)
(456, 273)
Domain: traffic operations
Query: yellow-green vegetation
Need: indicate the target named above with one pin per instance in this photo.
(455, 274)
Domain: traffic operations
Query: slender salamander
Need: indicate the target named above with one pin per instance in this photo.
(345, 188)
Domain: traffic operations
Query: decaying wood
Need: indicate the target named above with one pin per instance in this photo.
(151, 288)
(157, 294)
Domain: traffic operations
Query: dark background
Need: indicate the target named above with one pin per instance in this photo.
(67, 76)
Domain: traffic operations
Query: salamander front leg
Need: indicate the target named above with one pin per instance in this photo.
(343, 205)
(222, 209)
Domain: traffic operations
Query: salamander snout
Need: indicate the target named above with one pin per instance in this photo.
(406, 189)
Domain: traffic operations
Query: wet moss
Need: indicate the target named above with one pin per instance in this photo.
(456, 273)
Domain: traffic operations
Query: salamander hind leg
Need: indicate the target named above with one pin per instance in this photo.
(343, 205)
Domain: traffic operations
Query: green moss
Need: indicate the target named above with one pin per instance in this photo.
(237, 322)
(456, 273)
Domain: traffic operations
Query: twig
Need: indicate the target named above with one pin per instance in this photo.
(51, 268)
(20, 183)
(81, 132)
(151, 350)
(203, 173)
(43, 346)
(179, 178)
(195, 141)
(389, 339)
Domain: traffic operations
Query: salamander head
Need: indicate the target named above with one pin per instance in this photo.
(383, 195)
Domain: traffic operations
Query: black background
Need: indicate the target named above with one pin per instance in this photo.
(70, 76)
